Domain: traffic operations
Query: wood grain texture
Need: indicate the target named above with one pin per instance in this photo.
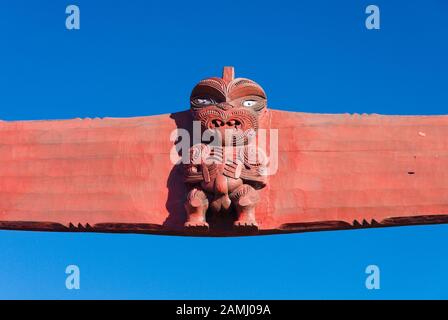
(115, 175)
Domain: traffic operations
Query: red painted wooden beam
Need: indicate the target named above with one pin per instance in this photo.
(115, 175)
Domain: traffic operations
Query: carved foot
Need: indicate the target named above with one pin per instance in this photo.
(245, 199)
(245, 226)
(195, 226)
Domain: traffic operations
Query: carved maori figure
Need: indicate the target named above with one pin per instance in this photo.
(223, 176)
(332, 171)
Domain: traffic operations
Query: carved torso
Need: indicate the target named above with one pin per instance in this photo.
(221, 170)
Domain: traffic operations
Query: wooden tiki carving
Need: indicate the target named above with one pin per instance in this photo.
(220, 176)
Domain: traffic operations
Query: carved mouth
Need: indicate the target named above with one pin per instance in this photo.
(229, 136)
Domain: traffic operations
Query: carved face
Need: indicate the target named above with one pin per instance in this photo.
(228, 107)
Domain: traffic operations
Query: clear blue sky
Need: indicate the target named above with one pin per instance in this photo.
(143, 57)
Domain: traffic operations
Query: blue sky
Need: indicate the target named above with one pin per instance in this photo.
(138, 58)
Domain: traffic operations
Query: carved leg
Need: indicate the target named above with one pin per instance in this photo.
(245, 199)
(196, 207)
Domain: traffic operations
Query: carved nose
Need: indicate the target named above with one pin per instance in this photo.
(217, 123)
(224, 106)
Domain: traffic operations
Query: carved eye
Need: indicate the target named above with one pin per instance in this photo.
(203, 101)
(249, 103)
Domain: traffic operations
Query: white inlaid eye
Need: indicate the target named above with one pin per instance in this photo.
(249, 103)
(203, 101)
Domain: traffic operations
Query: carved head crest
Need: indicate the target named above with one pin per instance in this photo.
(228, 104)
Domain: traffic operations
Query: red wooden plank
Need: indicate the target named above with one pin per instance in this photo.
(115, 175)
